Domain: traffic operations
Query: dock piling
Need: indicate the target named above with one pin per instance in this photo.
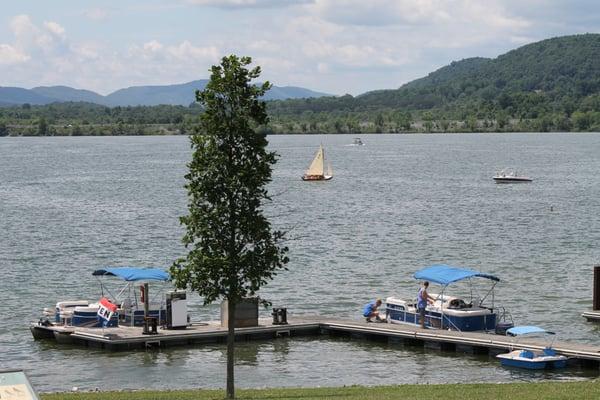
(596, 294)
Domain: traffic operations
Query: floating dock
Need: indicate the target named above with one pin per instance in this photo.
(592, 316)
(129, 338)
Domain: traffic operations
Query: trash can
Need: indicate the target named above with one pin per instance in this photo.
(279, 316)
(150, 326)
(502, 327)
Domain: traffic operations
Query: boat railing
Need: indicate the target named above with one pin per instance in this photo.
(504, 315)
(450, 323)
(440, 322)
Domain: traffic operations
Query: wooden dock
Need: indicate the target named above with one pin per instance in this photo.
(592, 315)
(128, 338)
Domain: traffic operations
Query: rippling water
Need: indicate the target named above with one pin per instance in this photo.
(401, 202)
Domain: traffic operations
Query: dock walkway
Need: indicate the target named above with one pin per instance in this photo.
(592, 315)
(128, 338)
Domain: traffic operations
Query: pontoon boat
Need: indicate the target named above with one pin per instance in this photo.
(451, 312)
(129, 301)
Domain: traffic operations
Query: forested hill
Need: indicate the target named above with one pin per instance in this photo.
(552, 85)
(548, 79)
(564, 68)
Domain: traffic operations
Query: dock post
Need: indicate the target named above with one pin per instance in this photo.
(596, 294)
(146, 301)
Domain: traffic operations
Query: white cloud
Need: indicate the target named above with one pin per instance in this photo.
(55, 29)
(323, 68)
(236, 4)
(86, 51)
(263, 46)
(153, 46)
(10, 55)
(335, 46)
(381, 12)
(24, 31)
(419, 13)
(186, 50)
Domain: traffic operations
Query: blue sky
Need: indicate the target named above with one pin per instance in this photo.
(334, 46)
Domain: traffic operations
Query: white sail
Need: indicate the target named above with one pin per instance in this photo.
(316, 167)
(329, 170)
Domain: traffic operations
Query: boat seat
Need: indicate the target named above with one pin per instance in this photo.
(526, 354)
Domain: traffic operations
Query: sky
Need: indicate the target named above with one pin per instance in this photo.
(332, 46)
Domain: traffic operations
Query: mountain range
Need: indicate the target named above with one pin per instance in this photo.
(179, 94)
(557, 75)
(550, 85)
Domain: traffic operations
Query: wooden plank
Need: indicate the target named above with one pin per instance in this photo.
(592, 316)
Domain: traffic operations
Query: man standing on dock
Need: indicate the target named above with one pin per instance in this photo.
(422, 299)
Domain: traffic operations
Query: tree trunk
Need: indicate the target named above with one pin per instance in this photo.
(230, 348)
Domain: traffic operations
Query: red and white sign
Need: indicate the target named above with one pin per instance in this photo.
(106, 310)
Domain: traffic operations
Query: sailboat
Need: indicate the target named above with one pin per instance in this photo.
(316, 170)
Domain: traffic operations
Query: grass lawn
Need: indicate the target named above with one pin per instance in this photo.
(509, 391)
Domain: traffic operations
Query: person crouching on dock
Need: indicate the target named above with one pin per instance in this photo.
(370, 311)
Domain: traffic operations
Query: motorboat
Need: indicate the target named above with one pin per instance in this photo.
(510, 176)
(316, 170)
(129, 302)
(357, 142)
(547, 358)
(452, 312)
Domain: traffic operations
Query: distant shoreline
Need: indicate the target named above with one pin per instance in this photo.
(356, 134)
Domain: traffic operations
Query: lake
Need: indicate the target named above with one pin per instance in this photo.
(399, 203)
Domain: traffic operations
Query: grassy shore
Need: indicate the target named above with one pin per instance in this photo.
(509, 391)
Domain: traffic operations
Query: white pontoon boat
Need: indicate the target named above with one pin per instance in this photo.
(451, 312)
(129, 300)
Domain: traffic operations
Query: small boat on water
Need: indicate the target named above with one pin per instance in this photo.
(316, 170)
(546, 358)
(357, 142)
(128, 304)
(510, 176)
(452, 312)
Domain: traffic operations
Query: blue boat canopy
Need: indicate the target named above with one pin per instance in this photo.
(527, 329)
(445, 274)
(134, 273)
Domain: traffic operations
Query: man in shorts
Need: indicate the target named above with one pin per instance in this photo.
(422, 299)
(370, 311)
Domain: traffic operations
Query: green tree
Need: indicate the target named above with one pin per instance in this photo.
(501, 120)
(42, 128)
(232, 249)
(3, 128)
(76, 131)
(581, 120)
(379, 123)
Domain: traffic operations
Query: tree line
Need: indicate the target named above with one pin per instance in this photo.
(524, 114)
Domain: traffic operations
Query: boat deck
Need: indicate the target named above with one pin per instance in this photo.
(127, 338)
